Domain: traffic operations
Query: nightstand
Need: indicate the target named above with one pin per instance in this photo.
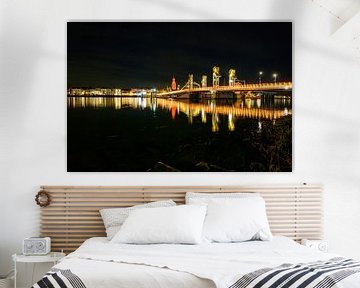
(320, 245)
(53, 257)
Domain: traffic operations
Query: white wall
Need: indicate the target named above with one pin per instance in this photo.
(33, 106)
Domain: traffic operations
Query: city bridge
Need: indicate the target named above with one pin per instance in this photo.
(236, 88)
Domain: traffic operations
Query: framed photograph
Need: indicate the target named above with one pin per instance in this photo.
(179, 96)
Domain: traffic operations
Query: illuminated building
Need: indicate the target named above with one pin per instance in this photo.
(173, 84)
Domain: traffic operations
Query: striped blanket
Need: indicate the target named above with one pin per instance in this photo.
(59, 278)
(320, 274)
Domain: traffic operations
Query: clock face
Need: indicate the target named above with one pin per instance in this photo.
(323, 247)
(40, 245)
(29, 245)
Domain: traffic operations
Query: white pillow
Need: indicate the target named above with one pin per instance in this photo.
(180, 224)
(113, 218)
(236, 220)
(204, 198)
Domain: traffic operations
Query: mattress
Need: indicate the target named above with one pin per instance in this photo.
(99, 263)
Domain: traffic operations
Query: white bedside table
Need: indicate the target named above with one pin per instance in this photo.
(53, 257)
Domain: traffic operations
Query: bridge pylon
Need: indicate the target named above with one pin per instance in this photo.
(190, 83)
(216, 76)
(204, 81)
(232, 77)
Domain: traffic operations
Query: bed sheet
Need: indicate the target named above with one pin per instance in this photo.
(100, 263)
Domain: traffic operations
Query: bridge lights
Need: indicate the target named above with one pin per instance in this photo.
(260, 74)
(275, 76)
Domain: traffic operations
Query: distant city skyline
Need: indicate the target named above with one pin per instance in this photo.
(149, 54)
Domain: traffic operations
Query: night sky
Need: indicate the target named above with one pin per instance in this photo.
(148, 54)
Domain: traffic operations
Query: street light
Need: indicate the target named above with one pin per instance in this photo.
(260, 74)
(275, 75)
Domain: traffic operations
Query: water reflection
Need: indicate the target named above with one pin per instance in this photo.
(203, 116)
(215, 122)
(231, 124)
(231, 110)
(259, 126)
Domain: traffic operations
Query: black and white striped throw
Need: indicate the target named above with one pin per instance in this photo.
(320, 274)
(59, 278)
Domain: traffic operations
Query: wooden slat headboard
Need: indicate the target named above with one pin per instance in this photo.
(73, 215)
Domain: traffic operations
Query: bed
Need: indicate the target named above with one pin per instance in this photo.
(294, 211)
(99, 263)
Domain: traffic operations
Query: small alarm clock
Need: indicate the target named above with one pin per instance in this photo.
(320, 245)
(36, 246)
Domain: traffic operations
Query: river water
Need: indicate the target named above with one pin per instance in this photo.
(151, 134)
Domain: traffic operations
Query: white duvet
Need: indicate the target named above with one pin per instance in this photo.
(100, 263)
